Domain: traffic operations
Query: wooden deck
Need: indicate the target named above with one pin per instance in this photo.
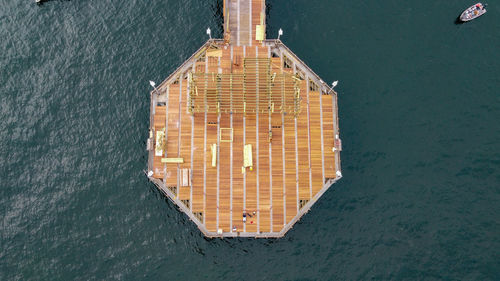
(294, 155)
(241, 18)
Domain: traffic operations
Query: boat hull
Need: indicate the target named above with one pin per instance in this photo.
(472, 12)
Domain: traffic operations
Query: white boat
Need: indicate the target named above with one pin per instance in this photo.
(473, 12)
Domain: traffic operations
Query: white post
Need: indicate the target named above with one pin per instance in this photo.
(209, 33)
(153, 84)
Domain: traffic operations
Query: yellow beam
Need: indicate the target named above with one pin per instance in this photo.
(173, 160)
(214, 154)
(247, 156)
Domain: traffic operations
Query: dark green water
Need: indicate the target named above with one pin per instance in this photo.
(419, 116)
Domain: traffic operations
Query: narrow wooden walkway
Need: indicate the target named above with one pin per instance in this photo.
(242, 17)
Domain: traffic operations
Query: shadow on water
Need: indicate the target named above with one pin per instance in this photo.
(458, 21)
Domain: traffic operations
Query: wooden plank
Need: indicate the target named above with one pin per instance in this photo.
(173, 134)
(211, 176)
(290, 169)
(264, 175)
(328, 136)
(315, 133)
(237, 213)
(258, 18)
(251, 176)
(198, 172)
(224, 178)
(277, 173)
(303, 147)
(184, 140)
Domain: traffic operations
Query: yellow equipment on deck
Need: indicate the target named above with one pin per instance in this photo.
(160, 138)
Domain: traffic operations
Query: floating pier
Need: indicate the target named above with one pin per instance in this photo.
(244, 136)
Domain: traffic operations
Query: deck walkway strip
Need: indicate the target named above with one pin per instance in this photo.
(191, 201)
(205, 147)
(179, 124)
(296, 167)
(316, 141)
(322, 137)
(219, 70)
(239, 20)
(185, 147)
(245, 174)
(250, 138)
(218, 170)
(238, 144)
(309, 137)
(212, 179)
(329, 137)
(257, 209)
(250, 31)
(166, 136)
(270, 177)
(335, 129)
(198, 155)
(244, 142)
(302, 133)
(277, 171)
(231, 181)
(297, 194)
(237, 175)
(173, 135)
(283, 136)
(166, 113)
(231, 156)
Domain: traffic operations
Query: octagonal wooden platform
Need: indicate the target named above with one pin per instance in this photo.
(272, 101)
